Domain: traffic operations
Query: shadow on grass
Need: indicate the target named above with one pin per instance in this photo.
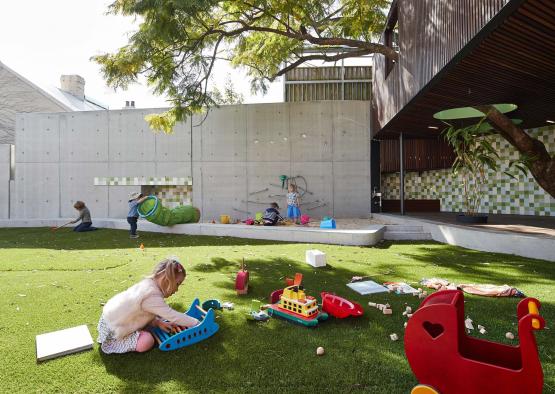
(480, 267)
(66, 239)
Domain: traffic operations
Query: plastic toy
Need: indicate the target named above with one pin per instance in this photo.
(225, 219)
(445, 360)
(340, 307)
(294, 305)
(305, 219)
(189, 336)
(152, 210)
(212, 304)
(242, 280)
(255, 312)
(297, 281)
(330, 224)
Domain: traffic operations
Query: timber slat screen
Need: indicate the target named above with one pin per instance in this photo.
(329, 83)
(431, 33)
(419, 155)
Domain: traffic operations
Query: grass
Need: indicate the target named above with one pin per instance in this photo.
(54, 281)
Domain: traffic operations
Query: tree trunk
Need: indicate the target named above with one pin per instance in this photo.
(541, 164)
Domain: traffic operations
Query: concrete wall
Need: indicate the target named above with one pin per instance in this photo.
(5, 155)
(236, 150)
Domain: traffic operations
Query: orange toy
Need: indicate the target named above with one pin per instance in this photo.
(446, 360)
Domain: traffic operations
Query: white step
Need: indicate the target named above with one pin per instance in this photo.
(407, 236)
(403, 227)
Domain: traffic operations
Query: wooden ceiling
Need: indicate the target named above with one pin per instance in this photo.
(509, 61)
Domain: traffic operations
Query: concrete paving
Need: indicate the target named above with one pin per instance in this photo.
(479, 238)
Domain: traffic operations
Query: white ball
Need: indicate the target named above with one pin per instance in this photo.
(320, 351)
(510, 335)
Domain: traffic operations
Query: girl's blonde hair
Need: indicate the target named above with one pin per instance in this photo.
(79, 205)
(166, 274)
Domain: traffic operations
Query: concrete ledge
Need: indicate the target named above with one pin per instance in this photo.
(532, 246)
(364, 237)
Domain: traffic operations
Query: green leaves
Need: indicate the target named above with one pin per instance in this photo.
(179, 41)
(474, 155)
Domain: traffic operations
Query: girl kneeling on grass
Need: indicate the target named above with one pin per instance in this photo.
(125, 316)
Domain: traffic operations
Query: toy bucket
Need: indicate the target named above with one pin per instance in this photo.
(225, 219)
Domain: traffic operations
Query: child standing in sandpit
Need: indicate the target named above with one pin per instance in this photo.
(293, 203)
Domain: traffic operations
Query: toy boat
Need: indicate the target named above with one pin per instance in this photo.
(294, 305)
(340, 307)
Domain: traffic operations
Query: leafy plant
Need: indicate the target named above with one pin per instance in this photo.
(474, 155)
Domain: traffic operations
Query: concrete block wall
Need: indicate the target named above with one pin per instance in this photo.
(236, 151)
(5, 155)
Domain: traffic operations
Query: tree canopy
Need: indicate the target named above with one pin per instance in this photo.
(179, 41)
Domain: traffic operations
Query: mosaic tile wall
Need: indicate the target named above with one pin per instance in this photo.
(139, 181)
(172, 191)
(170, 196)
(503, 195)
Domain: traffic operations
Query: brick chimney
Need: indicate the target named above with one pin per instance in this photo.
(74, 85)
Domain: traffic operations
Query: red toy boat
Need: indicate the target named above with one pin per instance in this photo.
(340, 307)
(446, 360)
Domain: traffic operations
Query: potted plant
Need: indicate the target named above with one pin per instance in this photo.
(474, 154)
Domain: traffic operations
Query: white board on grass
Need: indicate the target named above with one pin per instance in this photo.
(367, 287)
(63, 342)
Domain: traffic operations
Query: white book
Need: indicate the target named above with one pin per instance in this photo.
(63, 342)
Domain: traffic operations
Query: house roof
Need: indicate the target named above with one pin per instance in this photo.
(64, 99)
(72, 102)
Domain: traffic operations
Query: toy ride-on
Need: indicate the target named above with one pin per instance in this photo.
(446, 360)
(188, 336)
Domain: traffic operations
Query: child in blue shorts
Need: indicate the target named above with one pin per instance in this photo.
(293, 203)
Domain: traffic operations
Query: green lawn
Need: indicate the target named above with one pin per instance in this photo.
(53, 281)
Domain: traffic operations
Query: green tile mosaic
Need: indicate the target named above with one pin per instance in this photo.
(144, 180)
(503, 194)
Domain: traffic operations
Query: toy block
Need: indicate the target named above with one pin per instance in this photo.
(329, 224)
(316, 258)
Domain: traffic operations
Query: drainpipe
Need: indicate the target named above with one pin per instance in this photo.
(401, 174)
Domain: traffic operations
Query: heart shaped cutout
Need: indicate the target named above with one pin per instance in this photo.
(433, 329)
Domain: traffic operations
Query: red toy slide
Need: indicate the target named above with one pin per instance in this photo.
(446, 360)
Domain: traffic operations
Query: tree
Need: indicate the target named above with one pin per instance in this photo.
(229, 95)
(179, 41)
(474, 154)
(533, 153)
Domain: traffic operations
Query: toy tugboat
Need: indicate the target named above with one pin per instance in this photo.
(294, 305)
